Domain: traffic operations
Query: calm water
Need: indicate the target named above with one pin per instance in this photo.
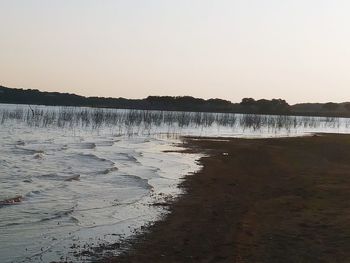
(89, 176)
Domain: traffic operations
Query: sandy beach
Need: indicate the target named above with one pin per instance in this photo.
(257, 200)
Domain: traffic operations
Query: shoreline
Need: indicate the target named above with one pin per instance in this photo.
(257, 200)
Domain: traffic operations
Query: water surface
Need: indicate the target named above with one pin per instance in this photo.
(80, 176)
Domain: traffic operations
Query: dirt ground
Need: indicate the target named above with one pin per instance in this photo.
(258, 200)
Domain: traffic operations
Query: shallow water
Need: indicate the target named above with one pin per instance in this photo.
(81, 182)
(79, 189)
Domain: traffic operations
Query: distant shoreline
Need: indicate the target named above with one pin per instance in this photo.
(262, 114)
(180, 103)
(264, 200)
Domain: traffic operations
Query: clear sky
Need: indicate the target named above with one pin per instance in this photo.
(298, 50)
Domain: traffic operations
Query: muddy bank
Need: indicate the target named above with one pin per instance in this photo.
(262, 200)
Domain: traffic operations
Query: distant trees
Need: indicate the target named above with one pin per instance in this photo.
(265, 106)
(188, 103)
(248, 102)
(178, 103)
(330, 106)
(347, 106)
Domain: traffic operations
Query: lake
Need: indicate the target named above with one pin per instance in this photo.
(72, 178)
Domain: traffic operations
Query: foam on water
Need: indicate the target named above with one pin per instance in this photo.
(78, 190)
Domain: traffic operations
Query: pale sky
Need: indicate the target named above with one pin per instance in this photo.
(298, 50)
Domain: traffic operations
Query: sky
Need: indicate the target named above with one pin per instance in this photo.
(297, 50)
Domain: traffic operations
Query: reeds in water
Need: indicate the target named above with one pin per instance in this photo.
(144, 121)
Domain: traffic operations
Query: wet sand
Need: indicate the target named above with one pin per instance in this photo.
(258, 200)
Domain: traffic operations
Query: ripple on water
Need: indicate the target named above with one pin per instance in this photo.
(83, 145)
(73, 188)
(11, 201)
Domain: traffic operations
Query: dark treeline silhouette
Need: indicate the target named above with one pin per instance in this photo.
(184, 103)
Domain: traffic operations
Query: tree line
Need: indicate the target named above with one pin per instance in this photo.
(168, 103)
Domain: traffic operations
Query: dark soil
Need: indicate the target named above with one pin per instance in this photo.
(261, 200)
